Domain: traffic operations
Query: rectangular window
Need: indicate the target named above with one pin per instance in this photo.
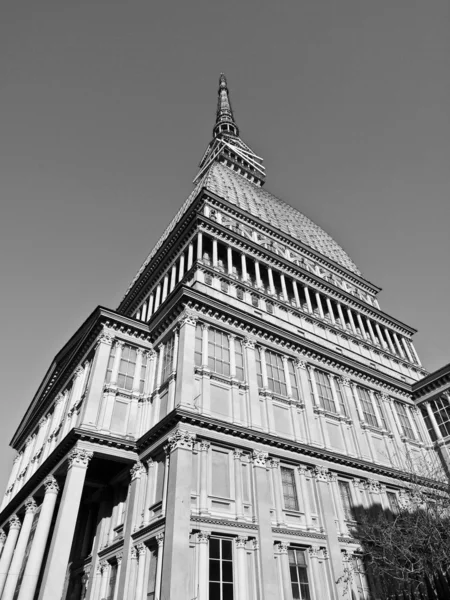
(239, 358)
(324, 390)
(126, 368)
(360, 577)
(275, 373)
(407, 430)
(392, 501)
(293, 379)
(346, 499)
(218, 352)
(220, 471)
(259, 367)
(441, 410)
(299, 574)
(198, 345)
(367, 407)
(167, 365)
(379, 402)
(220, 569)
(341, 395)
(289, 489)
(416, 418)
(119, 416)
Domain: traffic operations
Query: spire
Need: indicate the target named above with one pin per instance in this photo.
(227, 147)
(224, 119)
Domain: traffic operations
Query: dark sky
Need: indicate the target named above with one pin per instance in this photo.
(107, 107)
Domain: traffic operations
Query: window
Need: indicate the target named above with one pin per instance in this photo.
(269, 307)
(289, 489)
(416, 419)
(239, 293)
(218, 352)
(259, 367)
(346, 499)
(126, 368)
(110, 364)
(112, 582)
(299, 574)
(341, 395)
(360, 578)
(220, 474)
(393, 502)
(293, 380)
(407, 430)
(323, 389)
(275, 373)
(380, 410)
(167, 359)
(255, 300)
(239, 359)
(198, 345)
(441, 410)
(220, 569)
(367, 407)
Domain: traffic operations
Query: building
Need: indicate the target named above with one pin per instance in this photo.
(211, 437)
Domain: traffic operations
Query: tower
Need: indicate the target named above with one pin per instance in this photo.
(212, 437)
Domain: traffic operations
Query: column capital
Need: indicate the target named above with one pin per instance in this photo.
(240, 541)
(30, 505)
(345, 379)
(274, 463)
(151, 354)
(137, 470)
(119, 557)
(300, 363)
(160, 539)
(181, 438)
(249, 343)
(385, 397)
(203, 537)
(238, 453)
(282, 547)
(140, 549)
(133, 553)
(2, 536)
(372, 486)
(14, 522)
(260, 458)
(51, 485)
(78, 457)
(303, 470)
(204, 446)
(359, 484)
(188, 317)
(79, 371)
(255, 544)
(314, 551)
(321, 474)
(59, 398)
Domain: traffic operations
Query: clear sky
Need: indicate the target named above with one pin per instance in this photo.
(107, 107)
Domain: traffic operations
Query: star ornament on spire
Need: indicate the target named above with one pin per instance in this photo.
(227, 147)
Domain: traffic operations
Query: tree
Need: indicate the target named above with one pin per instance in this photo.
(410, 543)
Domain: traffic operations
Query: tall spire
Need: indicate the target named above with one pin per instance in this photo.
(224, 119)
(227, 147)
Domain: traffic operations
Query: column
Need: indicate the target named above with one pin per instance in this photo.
(434, 423)
(229, 260)
(181, 268)
(19, 552)
(380, 337)
(283, 288)
(271, 282)
(148, 500)
(165, 288)
(304, 473)
(376, 409)
(58, 556)
(282, 550)
(269, 584)
(160, 541)
(319, 304)
(361, 326)
(199, 246)
(397, 343)
(119, 568)
(141, 550)
(184, 383)
(151, 302)
(165, 482)
(214, 253)
(308, 299)
(296, 296)
(144, 311)
(103, 569)
(408, 353)
(8, 549)
(330, 311)
(274, 464)
(372, 334)
(190, 256)
(337, 503)
(237, 454)
(287, 376)
(415, 354)
(36, 555)
(244, 267)
(2, 540)
(341, 316)
(241, 567)
(204, 451)
(254, 411)
(352, 322)
(203, 563)
(258, 275)
(173, 277)
(176, 569)
(157, 297)
(389, 339)
(323, 428)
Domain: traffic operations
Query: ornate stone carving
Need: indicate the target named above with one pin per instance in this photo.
(274, 463)
(51, 485)
(181, 439)
(300, 363)
(303, 470)
(14, 522)
(188, 317)
(78, 457)
(314, 551)
(240, 541)
(238, 453)
(137, 470)
(249, 343)
(151, 355)
(282, 547)
(259, 458)
(321, 473)
(133, 553)
(204, 446)
(385, 397)
(30, 505)
(345, 380)
(203, 537)
(359, 484)
(119, 557)
(79, 371)
(255, 544)
(106, 337)
(141, 549)
(159, 539)
(372, 486)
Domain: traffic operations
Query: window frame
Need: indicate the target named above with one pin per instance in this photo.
(294, 566)
(221, 560)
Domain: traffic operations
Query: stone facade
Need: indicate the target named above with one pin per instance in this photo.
(213, 437)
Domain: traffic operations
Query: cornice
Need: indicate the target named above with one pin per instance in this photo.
(142, 532)
(436, 381)
(299, 532)
(223, 522)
